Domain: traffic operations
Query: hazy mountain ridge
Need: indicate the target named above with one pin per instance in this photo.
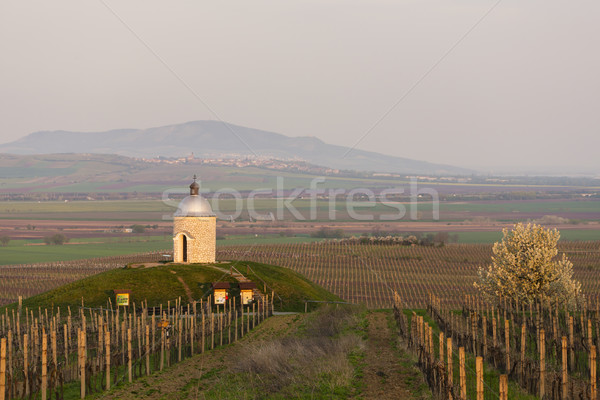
(205, 138)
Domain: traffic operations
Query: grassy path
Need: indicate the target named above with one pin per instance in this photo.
(188, 379)
(389, 373)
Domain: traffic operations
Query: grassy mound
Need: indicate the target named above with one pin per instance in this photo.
(159, 284)
(291, 288)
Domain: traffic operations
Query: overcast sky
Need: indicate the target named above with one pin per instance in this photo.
(475, 83)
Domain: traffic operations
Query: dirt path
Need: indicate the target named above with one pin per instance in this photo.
(388, 373)
(187, 379)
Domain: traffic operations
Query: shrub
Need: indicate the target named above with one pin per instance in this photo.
(4, 239)
(138, 228)
(56, 239)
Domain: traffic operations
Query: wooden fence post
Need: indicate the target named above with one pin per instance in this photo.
(147, 350)
(450, 364)
(212, 330)
(203, 331)
(129, 355)
(107, 356)
(26, 362)
(3, 369)
(565, 372)
(479, 372)
(179, 334)
(522, 364)
(462, 376)
(503, 387)
(507, 345)
(441, 344)
(593, 387)
(44, 365)
(81, 355)
(542, 363)
(162, 348)
(484, 325)
(571, 344)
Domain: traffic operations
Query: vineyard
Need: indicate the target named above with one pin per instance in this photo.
(31, 279)
(370, 273)
(46, 355)
(359, 273)
(506, 351)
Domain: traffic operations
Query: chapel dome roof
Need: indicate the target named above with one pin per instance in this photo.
(194, 205)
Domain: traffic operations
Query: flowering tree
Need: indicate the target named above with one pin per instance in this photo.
(525, 267)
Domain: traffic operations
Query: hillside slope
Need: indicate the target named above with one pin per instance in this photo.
(167, 282)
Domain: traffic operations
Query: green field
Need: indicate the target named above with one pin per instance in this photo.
(34, 251)
(26, 252)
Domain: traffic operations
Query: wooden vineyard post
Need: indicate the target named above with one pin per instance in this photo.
(484, 323)
(81, 355)
(450, 366)
(593, 387)
(462, 376)
(442, 343)
(3, 369)
(503, 387)
(494, 338)
(212, 330)
(474, 331)
(571, 344)
(162, 348)
(9, 342)
(507, 345)
(542, 363)
(192, 328)
(221, 329)
(153, 331)
(522, 364)
(179, 339)
(26, 362)
(235, 335)
(107, 355)
(44, 365)
(203, 331)
(147, 350)
(129, 355)
(479, 372)
(565, 372)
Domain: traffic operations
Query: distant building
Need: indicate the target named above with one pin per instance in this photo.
(194, 229)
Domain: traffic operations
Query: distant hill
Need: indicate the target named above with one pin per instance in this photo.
(213, 138)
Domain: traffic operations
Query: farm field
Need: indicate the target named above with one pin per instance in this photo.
(35, 251)
(367, 273)
(370, 273)
(154, 210)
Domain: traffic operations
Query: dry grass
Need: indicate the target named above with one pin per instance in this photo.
(317, 357)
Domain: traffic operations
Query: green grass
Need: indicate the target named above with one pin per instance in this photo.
(290, 286)
(33, 251)
(23, 252)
